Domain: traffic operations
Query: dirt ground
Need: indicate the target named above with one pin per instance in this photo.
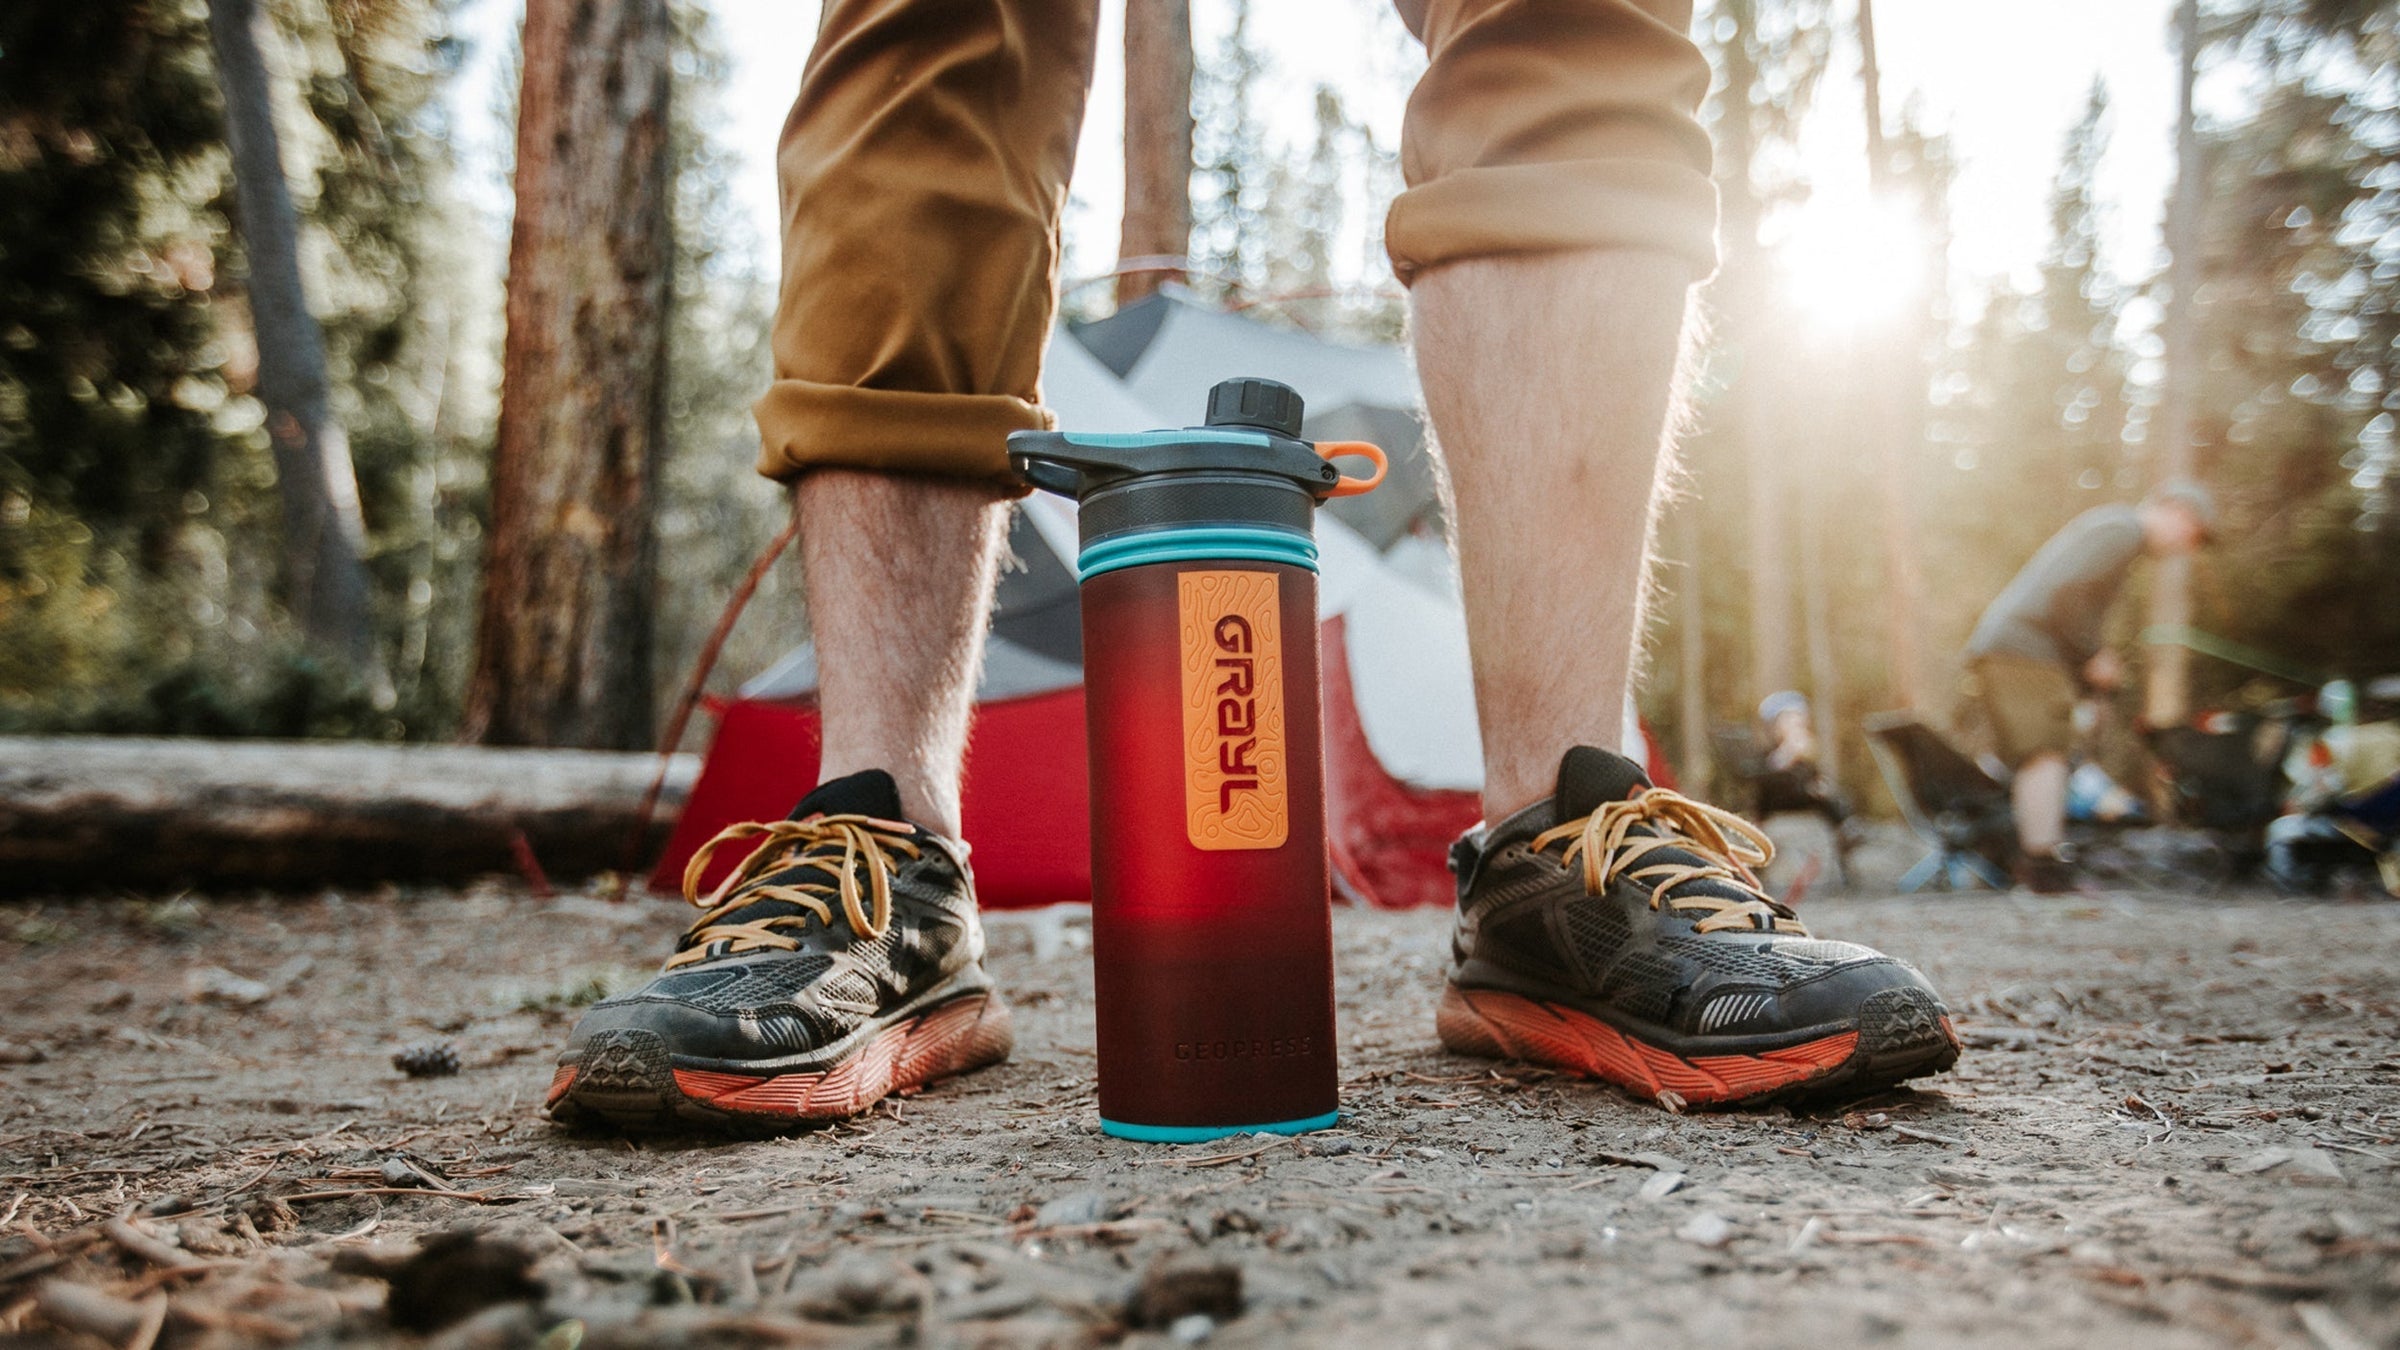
(2178, 1124)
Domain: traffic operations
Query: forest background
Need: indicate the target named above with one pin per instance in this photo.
(176, 526)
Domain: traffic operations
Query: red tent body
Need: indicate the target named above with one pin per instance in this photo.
(1026, 800)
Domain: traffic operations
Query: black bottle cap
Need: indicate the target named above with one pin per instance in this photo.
(1261, 404)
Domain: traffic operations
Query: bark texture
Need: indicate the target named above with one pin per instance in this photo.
(82, 814)
(563, 640)
(1158, 140)
(325, 580)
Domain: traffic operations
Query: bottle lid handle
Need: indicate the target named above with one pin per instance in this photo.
(1349, 486)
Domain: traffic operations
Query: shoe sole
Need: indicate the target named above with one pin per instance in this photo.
(628, 1078)
(1901, 1034)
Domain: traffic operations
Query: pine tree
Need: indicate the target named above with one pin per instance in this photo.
(1231, 187)
(2296, 330)
(109, 144)
(1157, 221)
(563, 646)
(324, 533)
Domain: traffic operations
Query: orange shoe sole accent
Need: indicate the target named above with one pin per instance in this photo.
(560, 1084)
(1497, 1025)
(951, 1038)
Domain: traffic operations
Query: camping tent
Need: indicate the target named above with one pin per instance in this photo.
(1397, 693)
(1404, 763)
(1169, 350)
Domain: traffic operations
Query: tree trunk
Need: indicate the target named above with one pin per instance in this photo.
(1691, 617)
(1740, 294)
(2167, 690)
(1824, 673)
(1158, 141)
(1888, 380)
(325, 581)
(83, 814)
(563, 641)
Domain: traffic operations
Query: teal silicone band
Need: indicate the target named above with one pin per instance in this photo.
(1194, 1134)
(1246, 543)
(1148, 440)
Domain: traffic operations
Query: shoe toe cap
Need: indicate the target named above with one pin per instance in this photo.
(675, 1008)
(1838, 995)
(1842, 994)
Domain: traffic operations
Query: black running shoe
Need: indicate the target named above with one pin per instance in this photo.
(1617, 931)
(840, 962)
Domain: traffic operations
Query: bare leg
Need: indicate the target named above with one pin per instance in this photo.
(1551, 381)
(2039, 795)
(900, 574)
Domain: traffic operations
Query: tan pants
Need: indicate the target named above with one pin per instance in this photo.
(926, 161)
(2030, 704)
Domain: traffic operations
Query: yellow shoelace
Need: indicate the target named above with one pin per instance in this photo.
(787, 843)
(1729, 848)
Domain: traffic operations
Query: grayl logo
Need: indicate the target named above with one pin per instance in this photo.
(1235, 769)
(1237, 709)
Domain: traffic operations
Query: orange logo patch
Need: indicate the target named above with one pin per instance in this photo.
(1235, 772)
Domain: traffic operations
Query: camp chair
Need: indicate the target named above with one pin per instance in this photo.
(1953, 805)
(1739, 759)
(2225, 769)
(2372, 817)
(1763, 792)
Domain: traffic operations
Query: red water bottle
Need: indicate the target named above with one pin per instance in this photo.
(1212, 930)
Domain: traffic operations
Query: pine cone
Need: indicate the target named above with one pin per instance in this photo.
(434, 1059)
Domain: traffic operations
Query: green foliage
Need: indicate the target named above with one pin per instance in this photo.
(1267, 226)
(138, 550)
(109, 371)
(2301, 265)
(1232, 164)
(2035, 410)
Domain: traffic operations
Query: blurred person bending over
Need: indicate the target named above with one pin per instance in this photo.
(2037, 651)
(1558, 212)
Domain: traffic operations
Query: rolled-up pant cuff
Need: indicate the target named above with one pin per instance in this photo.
(805, 426)
(1550, 208)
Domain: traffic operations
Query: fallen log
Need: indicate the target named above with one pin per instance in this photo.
(93, 813)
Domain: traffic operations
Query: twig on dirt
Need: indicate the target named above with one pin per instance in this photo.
(1927, 1136)
(137, 1243)
(260, 1175)
(2257, 1281)
(353, 1234)
(745, 1215)
(55, 1251)
(662, 1249)
(1219, 1160)
(13, 1206)
(1841, 1239)
(472, 1197)
(166, 1275)
(2328, 1329)
(95, 1312)
(2136, 1102)
(2353, 1148)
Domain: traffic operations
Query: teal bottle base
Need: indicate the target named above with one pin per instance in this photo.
(1193, 1134)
